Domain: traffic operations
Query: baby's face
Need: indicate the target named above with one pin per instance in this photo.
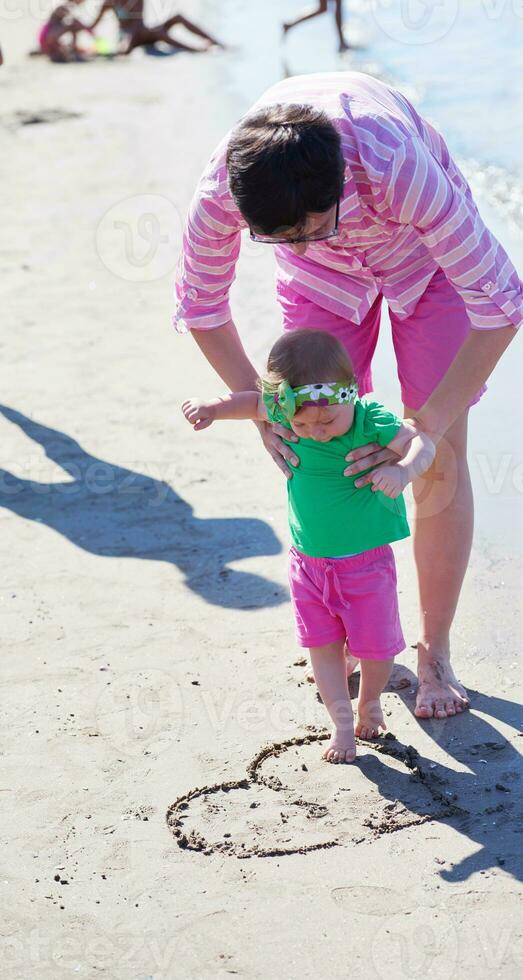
(322, 424)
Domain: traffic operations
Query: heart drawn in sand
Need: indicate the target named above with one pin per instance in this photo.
(384, 791)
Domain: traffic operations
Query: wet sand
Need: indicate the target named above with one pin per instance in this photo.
(168, 813)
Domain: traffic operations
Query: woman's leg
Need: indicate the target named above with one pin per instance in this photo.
(330, 673)
(442, 537)
(426, 344)
(178, 19)
(144, 36)
(166, 38)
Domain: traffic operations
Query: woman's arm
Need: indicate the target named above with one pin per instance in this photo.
(417, 190)
(211, 246)
(469, 370)
(224, 351)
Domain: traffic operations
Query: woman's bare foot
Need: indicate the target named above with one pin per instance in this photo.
(370, 719)
(341, 747)
(440, 694)
(352, 663)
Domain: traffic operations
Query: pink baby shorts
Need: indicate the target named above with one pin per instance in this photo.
(352, 598)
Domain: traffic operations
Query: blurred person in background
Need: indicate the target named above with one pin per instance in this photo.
(58, 36)
(321, 8)
(135, 34)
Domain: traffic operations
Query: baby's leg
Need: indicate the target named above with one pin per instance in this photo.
(374, 675)
(330, 673)
(351, 663)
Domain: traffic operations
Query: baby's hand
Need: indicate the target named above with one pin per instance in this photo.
(391, 480)
(200, 414)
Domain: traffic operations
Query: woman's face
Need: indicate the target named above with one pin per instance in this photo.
(322, 424)
(318, 223)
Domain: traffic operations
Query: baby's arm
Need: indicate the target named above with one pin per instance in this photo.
(417, 451)
(237, 405)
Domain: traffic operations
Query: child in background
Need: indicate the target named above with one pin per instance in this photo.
(341, 567)
(58, 36)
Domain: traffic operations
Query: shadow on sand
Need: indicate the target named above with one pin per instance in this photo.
(112, 511)
(490, 791)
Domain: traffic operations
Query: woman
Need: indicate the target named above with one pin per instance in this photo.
(361, 199)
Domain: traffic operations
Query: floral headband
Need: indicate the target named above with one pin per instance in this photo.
(289, 400)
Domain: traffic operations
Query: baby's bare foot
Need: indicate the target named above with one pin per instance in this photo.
(352, 663)
(370, 719)
(341, 747)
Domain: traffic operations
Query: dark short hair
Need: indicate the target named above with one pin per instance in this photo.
(283, 162)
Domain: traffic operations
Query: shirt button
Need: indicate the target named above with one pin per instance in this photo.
(488, 287)
(192, 294)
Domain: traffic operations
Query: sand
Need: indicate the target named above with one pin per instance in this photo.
(167, 812)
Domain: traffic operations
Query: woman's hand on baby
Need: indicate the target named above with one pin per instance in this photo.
(365, 457)
(391, 480)
(200, 414)
(276, 447)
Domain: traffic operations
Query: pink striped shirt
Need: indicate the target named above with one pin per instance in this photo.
(406, 210)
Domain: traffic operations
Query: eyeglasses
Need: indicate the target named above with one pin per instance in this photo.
(271, 240)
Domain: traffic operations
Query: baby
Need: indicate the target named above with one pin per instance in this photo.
(341, 567)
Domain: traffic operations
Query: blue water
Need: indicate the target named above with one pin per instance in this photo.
(459, 61)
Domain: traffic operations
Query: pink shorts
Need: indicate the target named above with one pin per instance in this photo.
(425, 343)
(42, 36)
(353, 598)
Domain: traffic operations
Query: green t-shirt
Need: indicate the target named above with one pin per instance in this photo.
(328, 515)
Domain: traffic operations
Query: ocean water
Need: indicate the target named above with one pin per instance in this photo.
(459, 61)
